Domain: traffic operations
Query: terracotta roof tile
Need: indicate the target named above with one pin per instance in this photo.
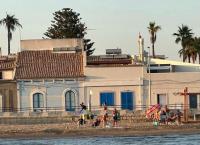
(46, 64)
(7, 62)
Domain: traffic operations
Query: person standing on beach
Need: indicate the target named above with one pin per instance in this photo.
(83, 107)
(115, 117)
(82, 114)
(105, 115)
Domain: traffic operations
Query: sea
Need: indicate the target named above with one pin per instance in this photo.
(137, 140)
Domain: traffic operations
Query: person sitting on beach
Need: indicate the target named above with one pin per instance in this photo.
(162, 116)
(178, 115)
(81, 120)
(171, 118)
(96, 122)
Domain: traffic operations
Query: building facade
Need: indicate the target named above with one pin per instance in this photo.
(50, 75)
(8, 86)
(55, 75)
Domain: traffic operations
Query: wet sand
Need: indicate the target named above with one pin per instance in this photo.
(63, 130)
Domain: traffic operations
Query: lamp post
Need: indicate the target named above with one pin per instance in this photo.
(89, 102)
(149, 70)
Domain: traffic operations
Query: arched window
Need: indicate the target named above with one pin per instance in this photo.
(38, 101)
(69, 101)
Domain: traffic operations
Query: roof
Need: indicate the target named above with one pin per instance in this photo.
(7, 62)
(172, 62)
(99, 60)
(46, 64)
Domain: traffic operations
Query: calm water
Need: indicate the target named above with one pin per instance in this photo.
(147, 140)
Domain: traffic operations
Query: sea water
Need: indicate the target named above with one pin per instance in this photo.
(141, 140)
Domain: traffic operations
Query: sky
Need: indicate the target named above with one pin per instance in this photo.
(114, 23)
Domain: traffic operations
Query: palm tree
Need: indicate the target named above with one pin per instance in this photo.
(196, 45)
(183, 36)
(10, 22)
(153, 29)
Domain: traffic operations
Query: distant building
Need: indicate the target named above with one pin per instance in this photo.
(168, 80)
(8, 87)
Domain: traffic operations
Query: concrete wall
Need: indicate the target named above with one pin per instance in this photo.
(49, 44)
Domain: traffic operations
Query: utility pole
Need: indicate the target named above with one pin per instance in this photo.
(149, 71)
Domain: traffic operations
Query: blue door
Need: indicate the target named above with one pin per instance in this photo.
(127, 100)
(70, 101)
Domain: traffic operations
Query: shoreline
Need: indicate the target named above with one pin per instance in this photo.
(28, 131)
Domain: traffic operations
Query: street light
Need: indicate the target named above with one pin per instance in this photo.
(89, 102)
(149, 65)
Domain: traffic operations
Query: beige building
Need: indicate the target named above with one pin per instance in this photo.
(8, 87)
(168, 81)
(119, 86)
(56, 75)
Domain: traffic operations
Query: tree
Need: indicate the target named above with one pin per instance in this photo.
(183, 36)
(191, 51)
(196, 45)
(67, 24)
(88, 47)
(11, 23)
(153, 29)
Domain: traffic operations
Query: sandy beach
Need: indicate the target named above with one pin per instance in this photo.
(63, 130)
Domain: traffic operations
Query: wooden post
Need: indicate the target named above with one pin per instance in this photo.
(185, 113)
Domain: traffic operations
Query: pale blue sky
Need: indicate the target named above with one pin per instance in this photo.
(116, 22)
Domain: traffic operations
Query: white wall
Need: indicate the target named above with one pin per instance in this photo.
(7, 75)
(54, 94)
(173, 83)
(49, 44)
(114, 79)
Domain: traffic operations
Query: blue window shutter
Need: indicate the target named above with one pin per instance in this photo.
(112, 99)
(107, 98)
(127, 100)
(102, 98)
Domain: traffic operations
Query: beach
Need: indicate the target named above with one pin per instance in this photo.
(66, 130)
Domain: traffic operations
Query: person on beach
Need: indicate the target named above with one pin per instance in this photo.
(83, 107)
(105, 115)
(162, 116)
(96, 122)
(178, 115)
(83, 113)
(115, 117)
(81, 120)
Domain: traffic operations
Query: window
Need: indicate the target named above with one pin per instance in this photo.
(162, 99)
(108, 98)
(193, 101)
(38, 101)
(159, 68)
